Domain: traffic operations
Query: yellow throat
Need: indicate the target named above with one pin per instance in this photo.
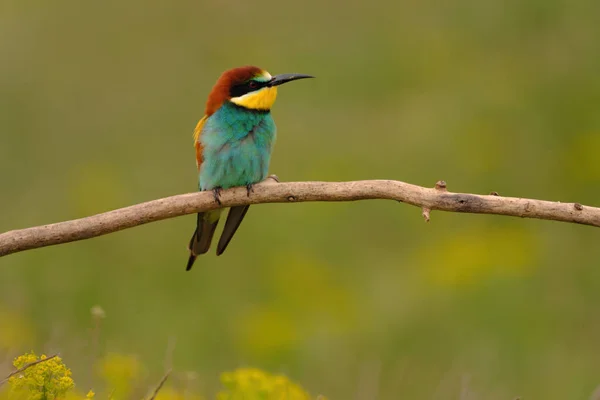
(262, 99)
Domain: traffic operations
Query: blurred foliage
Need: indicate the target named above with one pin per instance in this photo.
(121, 373)
(15, 331)
(359, 300)
(51, 379)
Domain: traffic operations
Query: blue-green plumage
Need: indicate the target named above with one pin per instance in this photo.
(237, 144)
(233, 145)
(236, 147)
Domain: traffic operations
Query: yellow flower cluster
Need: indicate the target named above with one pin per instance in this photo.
(47, 380)
(121, 373)
(51, 380)
(254, 384)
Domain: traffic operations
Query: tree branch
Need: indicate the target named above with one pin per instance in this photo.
(270, 191)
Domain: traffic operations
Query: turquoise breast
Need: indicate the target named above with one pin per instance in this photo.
(237, 144)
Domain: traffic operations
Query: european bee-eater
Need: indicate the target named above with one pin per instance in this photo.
(233, 144)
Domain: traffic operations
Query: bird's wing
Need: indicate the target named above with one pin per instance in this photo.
(197, 144)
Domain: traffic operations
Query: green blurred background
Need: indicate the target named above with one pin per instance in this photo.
(98, 100)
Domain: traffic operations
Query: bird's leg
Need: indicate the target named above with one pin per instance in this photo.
(217, 194)
(249, 188)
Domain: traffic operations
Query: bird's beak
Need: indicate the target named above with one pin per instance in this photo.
(284, 78)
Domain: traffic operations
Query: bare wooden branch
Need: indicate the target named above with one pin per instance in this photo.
(270, 191)
(26, 366)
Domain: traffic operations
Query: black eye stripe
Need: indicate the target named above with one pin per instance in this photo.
(246, 87)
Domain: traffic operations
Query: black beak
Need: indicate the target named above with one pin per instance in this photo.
(284, 78)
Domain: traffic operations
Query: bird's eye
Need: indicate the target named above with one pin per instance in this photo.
(252, 84)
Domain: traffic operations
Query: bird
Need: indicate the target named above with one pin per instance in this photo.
(233, 143)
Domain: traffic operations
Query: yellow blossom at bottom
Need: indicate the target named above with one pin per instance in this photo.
(254, 384)
(46, 380)
(121, 373)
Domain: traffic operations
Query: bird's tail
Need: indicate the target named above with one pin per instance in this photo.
(234, 219)
(202, 237)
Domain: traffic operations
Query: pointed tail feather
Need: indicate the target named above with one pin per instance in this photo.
(200, 242)
(205, 229)
(234, 219)
(190, 262)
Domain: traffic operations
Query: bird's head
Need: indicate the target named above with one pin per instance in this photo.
(249, 87)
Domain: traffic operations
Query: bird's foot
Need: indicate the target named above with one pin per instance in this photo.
(249, 188)
(217, 194)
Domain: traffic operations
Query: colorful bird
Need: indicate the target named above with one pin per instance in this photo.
(233, 144)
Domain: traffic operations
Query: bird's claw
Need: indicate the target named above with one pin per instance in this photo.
(249, 188)
(217, 194)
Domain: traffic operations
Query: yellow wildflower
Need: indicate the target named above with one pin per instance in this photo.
(121, 373)
(48, 380)
(254, 384)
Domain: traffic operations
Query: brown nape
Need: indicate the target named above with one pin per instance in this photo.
(220, 92)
